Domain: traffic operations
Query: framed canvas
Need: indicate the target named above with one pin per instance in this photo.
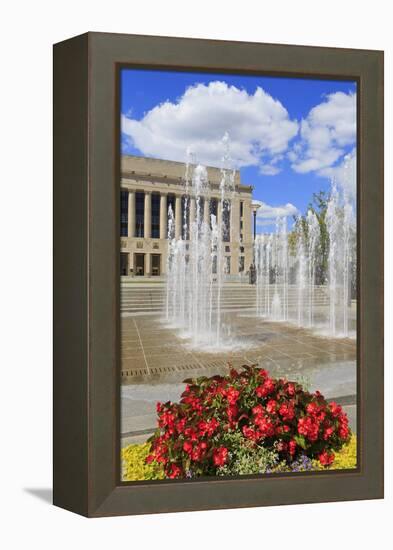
(218, 274)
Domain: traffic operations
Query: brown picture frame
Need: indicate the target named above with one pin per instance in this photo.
(86, 274)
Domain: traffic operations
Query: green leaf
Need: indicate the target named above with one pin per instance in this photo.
(300, 440)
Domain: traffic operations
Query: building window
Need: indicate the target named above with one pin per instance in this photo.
(213, 209)
(185, 217)
(227, 264)
(241, 225)
(227, 249)
(241, 264)
(124, 213)
(226, 221)
(242, 250)
(155, 216)
(241, 237)
(139, 214)
(241, 209)
(171, 205)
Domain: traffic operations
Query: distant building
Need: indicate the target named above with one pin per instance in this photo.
(148, 187)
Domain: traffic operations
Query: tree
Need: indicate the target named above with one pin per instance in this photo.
(318, 206)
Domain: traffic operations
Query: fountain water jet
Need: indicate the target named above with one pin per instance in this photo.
(287, 288)
(342, 255)
(196, 265)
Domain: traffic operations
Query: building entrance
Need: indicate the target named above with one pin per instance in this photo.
(124, 263)
(156, 264)
(139, 265)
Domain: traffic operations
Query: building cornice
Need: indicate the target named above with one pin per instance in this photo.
(134, 178)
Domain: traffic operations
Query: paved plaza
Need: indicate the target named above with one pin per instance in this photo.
(156, 359)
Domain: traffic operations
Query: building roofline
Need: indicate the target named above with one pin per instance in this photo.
(168, 171)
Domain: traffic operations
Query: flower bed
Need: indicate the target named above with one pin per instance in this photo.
(136, 469)
(244, 423)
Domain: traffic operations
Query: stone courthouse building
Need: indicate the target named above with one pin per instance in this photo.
(148, 188)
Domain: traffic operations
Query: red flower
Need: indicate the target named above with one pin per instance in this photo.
(262, 373)
(258, 410)
(308, 427)
(220, 456)
(250, 433)
(286, 411)
(316, 411)
(292, 447)
(312, 408)
(187, 447)
(266, 389)
(326, 458)
(232, 395)
(328, 432)
(191, 434)
(232, 412)
(271, 406)
(265, 425)
(335, 409)
(174, 471)
(291, 390)
(196, 454)
(208, 427)
(180, 425)
(160, 452)
(167, 418)
(343, 431)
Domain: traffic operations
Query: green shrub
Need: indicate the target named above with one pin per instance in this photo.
(273, 414)
(134, 464)
(246, 458)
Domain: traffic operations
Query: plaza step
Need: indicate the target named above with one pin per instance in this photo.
(145, 297)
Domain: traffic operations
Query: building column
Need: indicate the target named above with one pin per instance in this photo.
(163, 216)
(235, 235)
(147, 218)
(131, 213)
(178, 217)
(147, 265)
(248, 233)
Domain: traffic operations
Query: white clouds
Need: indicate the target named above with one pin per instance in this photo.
(326, 132)
(269, 170)
(267, 214)
(259, 127)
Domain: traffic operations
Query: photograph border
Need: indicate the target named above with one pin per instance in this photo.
(86, 273)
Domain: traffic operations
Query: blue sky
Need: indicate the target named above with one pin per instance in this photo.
(289, 136)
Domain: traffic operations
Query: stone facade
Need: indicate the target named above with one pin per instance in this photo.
(148, 186)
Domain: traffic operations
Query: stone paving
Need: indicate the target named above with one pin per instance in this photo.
(155, 360)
